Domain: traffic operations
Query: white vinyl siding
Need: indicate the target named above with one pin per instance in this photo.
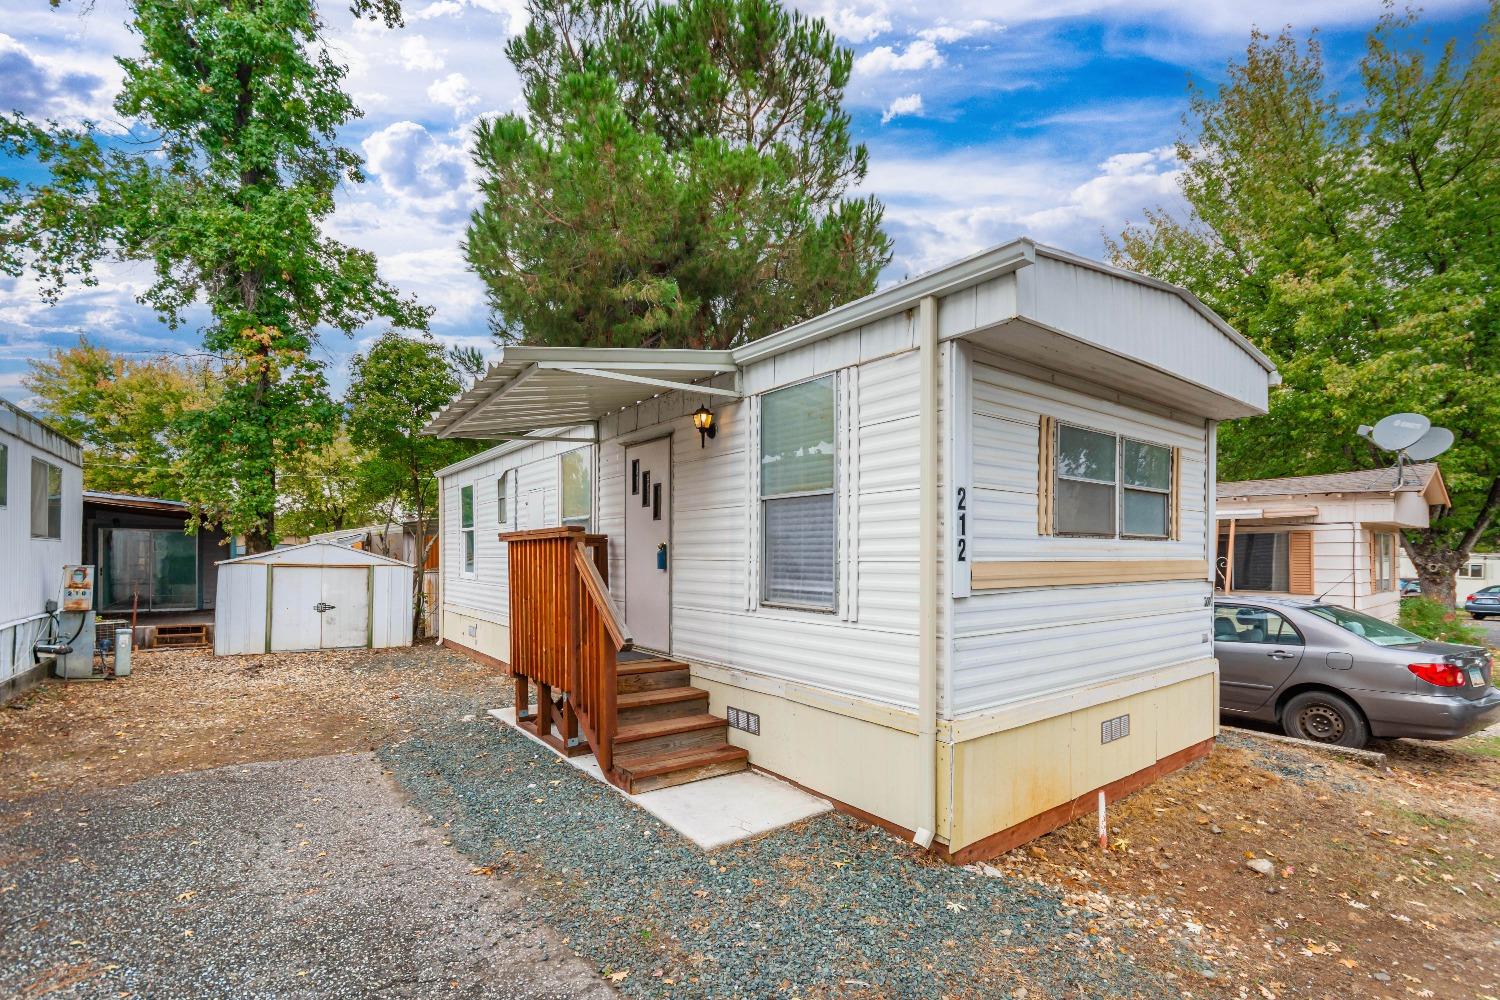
(1012, 645)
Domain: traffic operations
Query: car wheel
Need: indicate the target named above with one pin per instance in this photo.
(1478, 618)
(1324, 717)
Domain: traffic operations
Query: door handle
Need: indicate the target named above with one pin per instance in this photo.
(661, 556)
(320, 607)
(1280, 654)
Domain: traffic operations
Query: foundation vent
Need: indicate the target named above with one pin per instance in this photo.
(742, 720)
(1114, 729)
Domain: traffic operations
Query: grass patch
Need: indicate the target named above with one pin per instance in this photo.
(1480, 746)
(1430, 820)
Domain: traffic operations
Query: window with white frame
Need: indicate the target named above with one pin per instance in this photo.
(466, 525)
(46, 500)
(577, 492)
(1108, 485)
(502, 499)
(799, 521)
(1472, 571)
(1385, 561)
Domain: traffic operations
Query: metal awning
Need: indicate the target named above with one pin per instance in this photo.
(529, 390)
(1281, 512)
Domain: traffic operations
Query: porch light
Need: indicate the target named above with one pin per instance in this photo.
(703, 419)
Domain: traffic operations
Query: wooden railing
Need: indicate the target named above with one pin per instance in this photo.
(565, 635)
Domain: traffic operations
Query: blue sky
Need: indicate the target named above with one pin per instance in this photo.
(984, 120)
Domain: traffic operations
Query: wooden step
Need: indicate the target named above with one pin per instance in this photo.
(660, 703)
(645, 772)
(649, 675)
(668, 735)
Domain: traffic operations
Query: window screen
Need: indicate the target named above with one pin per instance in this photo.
(577, 495)
(502, 498)
(798, 517)
(1146, 487)
(1260, 561)
(466, 524)
(1085, 482)
(46, 500)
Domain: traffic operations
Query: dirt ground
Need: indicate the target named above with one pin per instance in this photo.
(1382, 881)
(185, 710)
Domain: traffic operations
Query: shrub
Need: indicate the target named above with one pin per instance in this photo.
(1434, 620)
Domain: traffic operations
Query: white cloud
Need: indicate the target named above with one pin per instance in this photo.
(911, 104)
(453, 91)
(443, 8)
(920, 54)
(417, 53)
(853, 22)
(52, 85)
(946, 32)
(413, 166)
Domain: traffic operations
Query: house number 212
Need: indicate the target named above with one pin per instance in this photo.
(963, 524)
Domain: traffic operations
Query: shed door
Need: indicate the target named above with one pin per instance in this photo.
(319, 607)
(295, 592)
(346, 599)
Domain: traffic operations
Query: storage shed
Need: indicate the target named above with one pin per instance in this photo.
(312, 596)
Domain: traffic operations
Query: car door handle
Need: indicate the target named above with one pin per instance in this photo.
(1280, 654)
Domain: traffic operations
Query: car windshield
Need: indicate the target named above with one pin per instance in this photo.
(1379, 632)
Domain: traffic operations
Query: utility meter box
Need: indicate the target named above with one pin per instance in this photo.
(78, 588)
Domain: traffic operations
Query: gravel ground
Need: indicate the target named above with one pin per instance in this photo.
(828, 907)
(287, 879)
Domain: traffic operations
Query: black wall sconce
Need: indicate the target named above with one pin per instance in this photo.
(703, 419)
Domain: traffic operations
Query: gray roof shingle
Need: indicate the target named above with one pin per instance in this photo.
(1415, 479)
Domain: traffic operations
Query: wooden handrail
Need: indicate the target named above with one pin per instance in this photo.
(593, 585)
(566, 634)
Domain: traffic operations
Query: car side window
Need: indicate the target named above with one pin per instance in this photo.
(1253, 625)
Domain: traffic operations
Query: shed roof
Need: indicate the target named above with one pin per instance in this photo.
(1423, 477)
(134, 502)
(343, 556)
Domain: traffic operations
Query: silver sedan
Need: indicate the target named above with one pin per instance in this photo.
(1325, 673)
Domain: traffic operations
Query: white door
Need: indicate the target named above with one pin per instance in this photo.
(346, 607)
(648, 563)
(319, 607)
(295, 593)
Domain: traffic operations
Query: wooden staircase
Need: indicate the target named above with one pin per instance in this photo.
(665, 735)
(645, 722)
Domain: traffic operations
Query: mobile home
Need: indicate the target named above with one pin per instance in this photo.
(942, 554)
(41, 491)
(1336, 536)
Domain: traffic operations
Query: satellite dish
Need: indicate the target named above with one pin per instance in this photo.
(1400, 431)
(1430, 445)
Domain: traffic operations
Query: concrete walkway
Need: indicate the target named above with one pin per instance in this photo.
(307, 878)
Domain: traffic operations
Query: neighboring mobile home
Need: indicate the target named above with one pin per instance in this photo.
(946, 560)
(1481, 570)
(41, 485)
(1335, 536)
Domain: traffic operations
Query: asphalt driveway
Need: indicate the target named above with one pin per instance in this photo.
(299, 878)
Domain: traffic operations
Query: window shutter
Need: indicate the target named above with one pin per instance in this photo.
(1174, 525)
(1300, 562)
(1046, 442)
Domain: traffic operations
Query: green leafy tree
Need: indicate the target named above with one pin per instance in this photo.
(128, 414)
(325, 489)
(396, 387)
(1356, 242)
(678, 179)
(221, 186)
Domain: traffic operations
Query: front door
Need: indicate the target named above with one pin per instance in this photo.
(648, 523)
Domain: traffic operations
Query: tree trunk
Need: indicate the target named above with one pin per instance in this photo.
(1436, 568)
